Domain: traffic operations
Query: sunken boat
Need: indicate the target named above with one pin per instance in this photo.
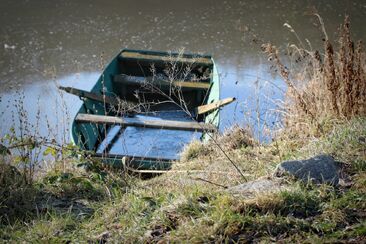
(146, 106)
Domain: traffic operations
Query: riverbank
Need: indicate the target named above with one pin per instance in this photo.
(191, 203)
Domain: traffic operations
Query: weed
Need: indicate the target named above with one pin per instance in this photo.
(16, 197)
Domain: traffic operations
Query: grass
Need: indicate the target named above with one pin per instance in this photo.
(178, 206)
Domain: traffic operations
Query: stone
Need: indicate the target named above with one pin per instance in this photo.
(319, 169)
(253, 188)
(79, 207)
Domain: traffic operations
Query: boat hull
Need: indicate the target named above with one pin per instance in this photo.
(88, 136)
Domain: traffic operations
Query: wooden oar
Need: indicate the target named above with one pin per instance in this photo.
(212, 106)
(136, 122)
(113, 101)
(90, 95)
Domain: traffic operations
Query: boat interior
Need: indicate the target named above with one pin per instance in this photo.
(144, 77)
(155, 88)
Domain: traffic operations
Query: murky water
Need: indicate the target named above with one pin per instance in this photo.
(44, 43)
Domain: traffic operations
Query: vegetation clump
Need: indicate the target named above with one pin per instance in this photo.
(16, 195)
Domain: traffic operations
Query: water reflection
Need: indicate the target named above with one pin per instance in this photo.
(43, 99)
(255, 89)
(40, 38)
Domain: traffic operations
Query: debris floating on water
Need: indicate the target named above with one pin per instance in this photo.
(6, 46)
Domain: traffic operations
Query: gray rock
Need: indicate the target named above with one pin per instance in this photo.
(79, 207)
(319, 169)
(259, 186)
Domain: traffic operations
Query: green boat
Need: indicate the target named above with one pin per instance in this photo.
(146, 106)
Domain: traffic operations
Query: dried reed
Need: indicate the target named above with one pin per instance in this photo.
(323, 86)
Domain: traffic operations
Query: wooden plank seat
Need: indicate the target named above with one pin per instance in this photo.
(158, 82)
(158, 124)
(140, 56)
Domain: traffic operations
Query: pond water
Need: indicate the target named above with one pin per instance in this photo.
(45, 43)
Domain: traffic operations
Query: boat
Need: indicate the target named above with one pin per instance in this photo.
(146, 106)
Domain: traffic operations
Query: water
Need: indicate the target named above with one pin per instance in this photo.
(45, 43)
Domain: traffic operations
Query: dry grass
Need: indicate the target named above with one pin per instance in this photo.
(235, 137)
(323, 86)
(204, 164)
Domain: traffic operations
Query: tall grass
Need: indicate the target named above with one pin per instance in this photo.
(325, 85)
